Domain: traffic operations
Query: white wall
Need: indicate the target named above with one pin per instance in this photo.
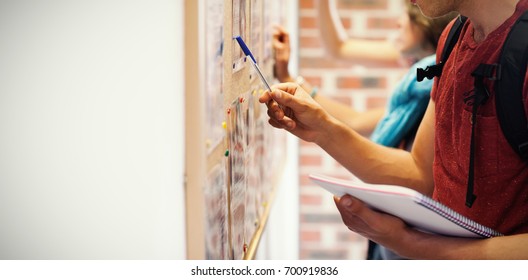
(91, 129)
(179, 108)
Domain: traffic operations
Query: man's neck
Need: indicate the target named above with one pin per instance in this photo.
(487, 15)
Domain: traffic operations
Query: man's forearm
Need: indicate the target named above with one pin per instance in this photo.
(371, 162)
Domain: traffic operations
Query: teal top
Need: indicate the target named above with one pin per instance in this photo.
(405, 107)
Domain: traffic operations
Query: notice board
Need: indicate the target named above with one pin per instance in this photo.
(233, 157)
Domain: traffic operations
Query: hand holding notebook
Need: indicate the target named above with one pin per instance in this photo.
(414, 208)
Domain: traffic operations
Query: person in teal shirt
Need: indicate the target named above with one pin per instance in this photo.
(394, 125)
(405, 108)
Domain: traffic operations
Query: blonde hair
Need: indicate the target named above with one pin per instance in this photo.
(431, 28)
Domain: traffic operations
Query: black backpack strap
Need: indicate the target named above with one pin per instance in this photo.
(479, 97)
(509, 88)
(451, 40)
(509, 74)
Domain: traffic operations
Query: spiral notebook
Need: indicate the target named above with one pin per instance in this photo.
(416, 209)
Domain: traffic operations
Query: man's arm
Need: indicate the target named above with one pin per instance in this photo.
(394, 234)
(377, 164)
(373, 163)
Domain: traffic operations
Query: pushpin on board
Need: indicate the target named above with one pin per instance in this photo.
(224, 125)
(226, 153)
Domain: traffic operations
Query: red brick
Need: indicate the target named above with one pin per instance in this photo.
(308, 22)
(310, 42)
(361, 82)
(310, 160)
(382, 23)
(314, 80)
(362, 4)
(311, 199)
(306, 4)
(322, 63)
(310, 235)
(350, 83)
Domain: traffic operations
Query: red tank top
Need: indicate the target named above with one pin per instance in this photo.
(501, 177)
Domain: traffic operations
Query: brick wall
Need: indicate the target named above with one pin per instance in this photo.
(322, 233)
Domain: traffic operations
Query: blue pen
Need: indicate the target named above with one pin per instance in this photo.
(247, 52)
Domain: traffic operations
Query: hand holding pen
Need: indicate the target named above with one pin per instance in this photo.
(290, 107)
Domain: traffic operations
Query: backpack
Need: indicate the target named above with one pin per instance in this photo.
(509, 74)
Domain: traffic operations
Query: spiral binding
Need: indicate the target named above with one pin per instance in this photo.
(456, 218)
